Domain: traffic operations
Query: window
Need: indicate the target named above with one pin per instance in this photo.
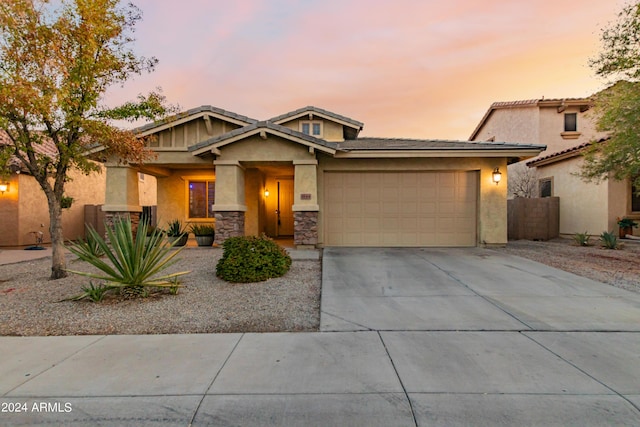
(571, 122)
(545, 187)
(201, 199)
(635, 199)
(313, 128)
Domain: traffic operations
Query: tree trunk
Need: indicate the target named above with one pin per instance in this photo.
(58, 260)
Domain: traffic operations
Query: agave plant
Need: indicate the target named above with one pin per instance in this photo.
(135, 262)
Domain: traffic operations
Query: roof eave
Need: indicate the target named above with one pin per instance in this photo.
(214, 147)
(448, 153)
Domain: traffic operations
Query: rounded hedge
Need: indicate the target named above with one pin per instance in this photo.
(248, 259)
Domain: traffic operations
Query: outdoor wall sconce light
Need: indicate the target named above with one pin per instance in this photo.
(496, 175)
(4, 186)
(266, 192)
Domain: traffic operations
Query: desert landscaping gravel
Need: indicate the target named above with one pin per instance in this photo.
(29, 302)
(620, 268)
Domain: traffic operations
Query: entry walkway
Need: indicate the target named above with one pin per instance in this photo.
(489, 339)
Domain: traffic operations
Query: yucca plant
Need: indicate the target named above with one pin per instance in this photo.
(582, 239)
(91, 245)
(609, 240)
(135, 262)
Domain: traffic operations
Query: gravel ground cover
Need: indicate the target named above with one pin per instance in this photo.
(29, 302)
(620, 268)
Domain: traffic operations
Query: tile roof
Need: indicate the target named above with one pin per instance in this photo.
(312, 109)
(192, 112)
(262, 125)
(535, 102)
(568, 152)
(427, 144)
(45, 149)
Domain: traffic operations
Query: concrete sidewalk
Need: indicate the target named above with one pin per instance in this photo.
(514, 355)
(11, 256)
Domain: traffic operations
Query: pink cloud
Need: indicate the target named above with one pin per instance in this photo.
(405, 68)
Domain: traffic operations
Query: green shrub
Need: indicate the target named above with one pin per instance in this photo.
(202, 230)
(582, 239)
(175, 228)
(91, 292)
(609, 240)
(135, 262)
(252, 259)
(90, 245)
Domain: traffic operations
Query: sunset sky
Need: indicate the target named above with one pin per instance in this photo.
(406, 68)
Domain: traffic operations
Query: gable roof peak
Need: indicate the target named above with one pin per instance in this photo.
(196, 112)
(320, 111)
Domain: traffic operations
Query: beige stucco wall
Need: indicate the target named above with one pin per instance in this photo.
(148, 190)
(552, 128)
(331, 131)
(254, 223)
(512, 125)
(583, 206)
(272, 149)
(9, 202)
(24, 208)
(492, 204)
(173, 191)
(306, 182)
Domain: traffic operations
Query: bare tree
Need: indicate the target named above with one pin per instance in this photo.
(523, 181)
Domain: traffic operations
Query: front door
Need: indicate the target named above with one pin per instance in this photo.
(284, 213)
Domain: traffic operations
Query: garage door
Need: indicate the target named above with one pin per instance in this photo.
(400, 208)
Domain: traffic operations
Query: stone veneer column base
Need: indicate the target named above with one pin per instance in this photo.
(229, 224)
(110, 217)
(305, 228)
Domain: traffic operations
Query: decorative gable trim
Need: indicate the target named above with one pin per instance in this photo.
(312, 113)
(206, 112)
(262, 129)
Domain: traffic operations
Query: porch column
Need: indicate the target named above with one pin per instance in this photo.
(122, 197)
(229, 207)
(305, 207)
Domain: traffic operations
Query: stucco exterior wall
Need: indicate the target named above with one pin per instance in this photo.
(620, 204)
(492, 203)
(255, 201)
(272, 149)
(148, 190)
(331, 131)
(583, 206)
(173, 192)
(552, 129)
(9, 202)
(512, 125)
(24, 208)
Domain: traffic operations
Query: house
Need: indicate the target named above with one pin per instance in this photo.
(584, 206)
(23, 204)
(307, 174)
(567, 129)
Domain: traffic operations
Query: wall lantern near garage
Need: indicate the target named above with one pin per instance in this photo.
(4, 186)
(496, 176)
(266, 192)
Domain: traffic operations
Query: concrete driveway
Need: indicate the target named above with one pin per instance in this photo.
(471, 289)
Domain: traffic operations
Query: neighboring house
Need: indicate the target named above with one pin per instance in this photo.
(308, 175)
(584, 206)
(24, 210)
(566, 128)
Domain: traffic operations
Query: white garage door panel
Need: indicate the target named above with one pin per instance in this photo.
(400, 208)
